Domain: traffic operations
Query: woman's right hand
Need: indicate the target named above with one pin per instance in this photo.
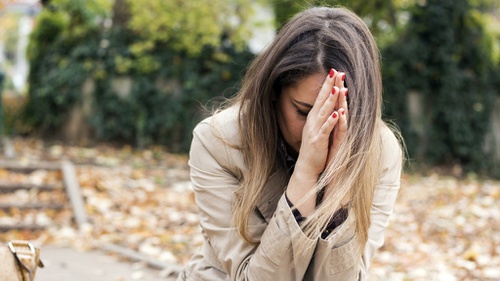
(321, 121)
(316, 142)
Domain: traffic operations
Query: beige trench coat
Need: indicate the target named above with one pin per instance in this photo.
(216, 170)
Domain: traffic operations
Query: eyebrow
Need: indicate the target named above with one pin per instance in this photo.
(305, 104)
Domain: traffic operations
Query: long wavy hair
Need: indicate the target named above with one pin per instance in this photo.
(312, 42)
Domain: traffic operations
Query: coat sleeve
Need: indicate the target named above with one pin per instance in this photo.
(214, 178)
(335, 257)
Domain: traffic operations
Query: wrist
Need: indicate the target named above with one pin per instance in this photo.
(304, 173)
(299, 188)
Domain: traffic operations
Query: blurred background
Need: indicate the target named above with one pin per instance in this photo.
(116, 87)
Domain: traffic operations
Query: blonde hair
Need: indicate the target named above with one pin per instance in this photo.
(313, 42)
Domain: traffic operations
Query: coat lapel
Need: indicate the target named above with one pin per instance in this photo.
(272, 192)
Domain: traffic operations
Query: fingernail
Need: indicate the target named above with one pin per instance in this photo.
(343, 77)
(346, 90)
(334, 115)
(331, 72)
(342, 111)
(334, 90)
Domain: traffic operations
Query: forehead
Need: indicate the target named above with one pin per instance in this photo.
(306, 89)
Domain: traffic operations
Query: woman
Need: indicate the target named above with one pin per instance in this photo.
(297, 177)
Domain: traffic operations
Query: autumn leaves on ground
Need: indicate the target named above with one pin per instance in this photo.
(443, 228)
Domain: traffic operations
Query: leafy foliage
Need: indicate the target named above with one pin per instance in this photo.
(61, 51)
(441, 57)
(381, 16)
(190, 25)
(169, 78)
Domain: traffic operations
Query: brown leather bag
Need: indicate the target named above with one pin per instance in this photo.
(19, 261)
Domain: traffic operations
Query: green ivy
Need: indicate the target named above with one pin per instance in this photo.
(169, 87)
(442, 57)
(57, 65)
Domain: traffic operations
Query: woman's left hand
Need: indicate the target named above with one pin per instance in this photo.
(340, 131)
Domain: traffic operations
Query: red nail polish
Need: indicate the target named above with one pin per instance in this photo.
(343, 112)
(343, 77)
(346, 90)
(334, 115)
(331, 72)
(334, 90)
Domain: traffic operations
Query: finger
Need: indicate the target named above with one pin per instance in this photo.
(340, 129)
(339, 79)
(329, 124)
(325, 91)
(342, 126)
(342, 100)
(329, 105)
